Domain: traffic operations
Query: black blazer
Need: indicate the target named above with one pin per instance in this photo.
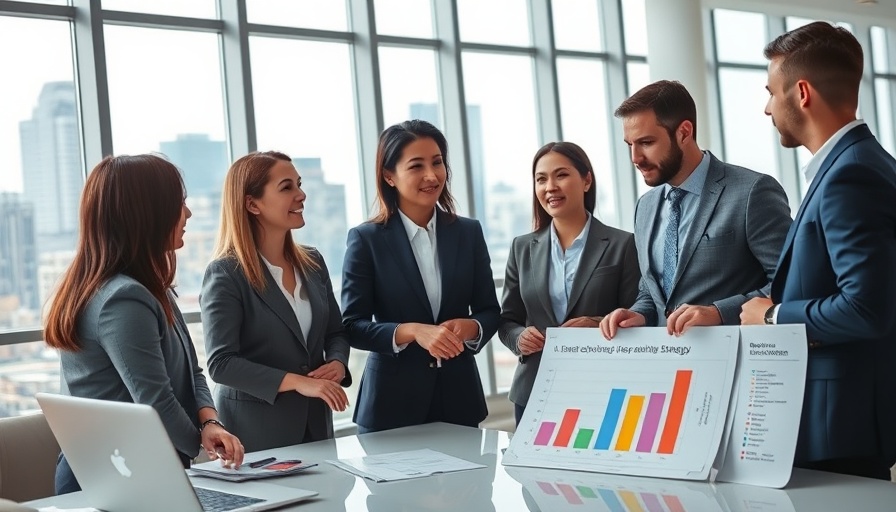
(382, 287)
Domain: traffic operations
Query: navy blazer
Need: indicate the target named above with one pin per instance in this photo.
(382, 287)
(837, 275)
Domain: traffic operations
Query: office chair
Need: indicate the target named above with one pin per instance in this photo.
(28, 453)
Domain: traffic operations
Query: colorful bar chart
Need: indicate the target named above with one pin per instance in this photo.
(620, 500)
(624, 416)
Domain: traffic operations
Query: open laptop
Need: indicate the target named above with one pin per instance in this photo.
(125, 462)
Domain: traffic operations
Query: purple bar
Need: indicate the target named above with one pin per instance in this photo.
(652, 502)
(544, 433)
(651, 422)
(548, 488)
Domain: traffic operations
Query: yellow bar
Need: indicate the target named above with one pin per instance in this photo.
(630, 500)
(629, 423)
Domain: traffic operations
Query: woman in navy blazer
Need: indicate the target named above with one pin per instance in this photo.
(273, 332)
(417, 291)
(569, 271)
(114, 319)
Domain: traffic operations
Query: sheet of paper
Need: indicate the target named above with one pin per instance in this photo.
(389, 467)
(772, 379)
(645, 403)
(277, 467)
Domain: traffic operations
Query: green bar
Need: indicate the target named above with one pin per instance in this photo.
(583, 439)
(586, 492)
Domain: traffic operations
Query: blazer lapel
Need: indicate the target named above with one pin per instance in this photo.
(316, 293)
(709, 198)
(540, 255)
(849, 138)
(650, 205)
(595, 246)
(273, 297)
(397, 240)
(448, 240)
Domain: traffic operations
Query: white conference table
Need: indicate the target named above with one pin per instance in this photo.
(499, 488)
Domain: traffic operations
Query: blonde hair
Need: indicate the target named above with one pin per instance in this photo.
(239, 230)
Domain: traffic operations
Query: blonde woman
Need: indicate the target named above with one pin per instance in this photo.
(273, 330)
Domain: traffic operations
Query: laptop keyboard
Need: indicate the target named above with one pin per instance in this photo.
(217, 501)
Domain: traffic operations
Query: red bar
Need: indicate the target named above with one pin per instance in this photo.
(570, 417)
(571, 497)
(676, 411)
(673, 503)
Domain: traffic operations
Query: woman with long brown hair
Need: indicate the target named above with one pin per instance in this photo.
(114, 319)
(417, 291)
(273, 331)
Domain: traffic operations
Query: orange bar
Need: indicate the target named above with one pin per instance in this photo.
(676, 411)
(629, 423)
(570, 417)
(631, 501)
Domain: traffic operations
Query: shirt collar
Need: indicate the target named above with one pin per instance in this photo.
(411, 228)
(275, 271)
(555, 240)
(814, 164)
(694, 183)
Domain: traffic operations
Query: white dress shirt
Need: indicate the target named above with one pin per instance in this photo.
(563, 268)
(298, 300)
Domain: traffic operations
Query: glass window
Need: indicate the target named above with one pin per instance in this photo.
(638, 76)
(883, 93)
(879, 53)
(584, 113)
(306, 109)
(496, 22)
(189, 8)
(327, 15)
(403, 98)
(409, 18)
(26, 369)
(165, 95)
(740, 36)
(634, 25)
(42, 175)
(504, 137)
(577, 25)
(749, 136)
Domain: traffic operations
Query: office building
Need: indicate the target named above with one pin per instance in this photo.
(18, 252)
(325, 216)
(202, 161)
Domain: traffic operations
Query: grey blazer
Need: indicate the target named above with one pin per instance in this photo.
(607, 278)
(253, 339)
(731, 251)
(131, 354)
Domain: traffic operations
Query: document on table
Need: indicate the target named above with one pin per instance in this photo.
(388, 467)
(273, 468)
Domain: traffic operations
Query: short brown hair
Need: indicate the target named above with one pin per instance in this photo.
(828, 57)
(668, 99)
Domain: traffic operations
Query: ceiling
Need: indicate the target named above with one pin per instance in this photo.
(883, 12)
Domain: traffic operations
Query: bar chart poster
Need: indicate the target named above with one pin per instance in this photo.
(562, 491)
(645, 403)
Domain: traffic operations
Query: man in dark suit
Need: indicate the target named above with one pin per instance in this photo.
(836, 274)
(709, 233)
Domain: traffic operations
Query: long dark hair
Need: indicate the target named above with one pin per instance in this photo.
(391, 145)
(129, 209)
(576, 155)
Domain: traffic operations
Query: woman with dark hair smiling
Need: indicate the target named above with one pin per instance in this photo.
(569, 271)
(417, 291)
(114, 319)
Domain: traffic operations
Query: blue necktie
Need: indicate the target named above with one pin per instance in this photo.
(670, 244)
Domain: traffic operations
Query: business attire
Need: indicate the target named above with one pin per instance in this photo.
(731, 227)
(605, 277)
(383, 285)
(129, 353)
(837, 275)
(254, 338)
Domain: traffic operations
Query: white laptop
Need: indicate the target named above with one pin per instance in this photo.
(125, 462)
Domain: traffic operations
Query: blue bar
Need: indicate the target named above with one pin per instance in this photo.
(610, 499)
(611, 418)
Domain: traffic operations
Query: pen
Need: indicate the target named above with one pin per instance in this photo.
(263, 462)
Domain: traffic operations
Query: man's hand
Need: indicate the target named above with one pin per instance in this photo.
(753, 311)
(620, 319)
(582, 321)
(530, 341)
(687, 316)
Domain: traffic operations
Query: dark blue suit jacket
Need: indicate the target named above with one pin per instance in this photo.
(837, 275)
(382, 287)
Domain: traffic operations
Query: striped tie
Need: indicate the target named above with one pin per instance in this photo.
(670, 245)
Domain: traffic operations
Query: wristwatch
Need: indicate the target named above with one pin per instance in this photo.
(770, 315)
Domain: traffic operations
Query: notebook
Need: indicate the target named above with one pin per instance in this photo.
(125, 462)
